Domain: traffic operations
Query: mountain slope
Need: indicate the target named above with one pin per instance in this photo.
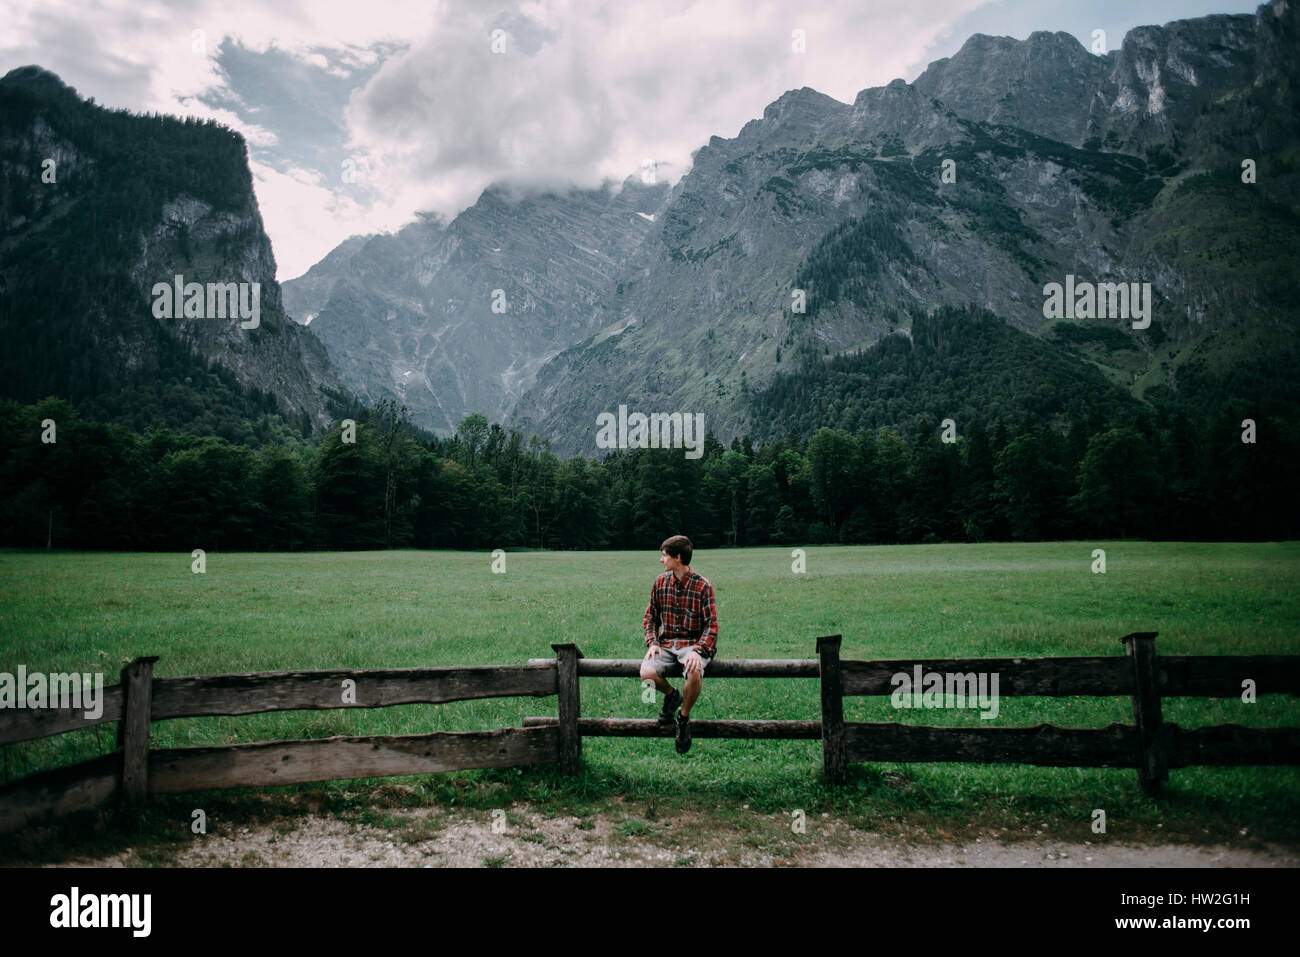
(415, 316)
(127, 202)
(1062, 164)
(824, 227)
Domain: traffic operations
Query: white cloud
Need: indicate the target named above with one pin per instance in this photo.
(584, 91)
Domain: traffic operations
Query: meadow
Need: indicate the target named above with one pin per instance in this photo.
(277, 611)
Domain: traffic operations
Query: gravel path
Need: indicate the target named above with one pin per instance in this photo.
(439, 838)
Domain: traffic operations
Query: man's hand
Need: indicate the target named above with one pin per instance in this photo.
(651, 652)
(694, 664)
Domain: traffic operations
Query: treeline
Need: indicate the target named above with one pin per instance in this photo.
(72, 483)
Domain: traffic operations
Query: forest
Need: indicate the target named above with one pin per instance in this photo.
(68, 482)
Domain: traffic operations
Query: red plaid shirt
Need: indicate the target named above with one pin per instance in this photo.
(687, 612)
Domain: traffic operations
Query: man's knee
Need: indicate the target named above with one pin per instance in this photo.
(648, 672)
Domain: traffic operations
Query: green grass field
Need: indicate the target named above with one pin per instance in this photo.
(270, 612)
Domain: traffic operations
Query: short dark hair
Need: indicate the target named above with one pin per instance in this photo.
(679, 546)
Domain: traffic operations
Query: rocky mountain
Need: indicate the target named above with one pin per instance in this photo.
(456, 318)
(100, 211)
(1184, 86)
(825, 229)
(1118, 168)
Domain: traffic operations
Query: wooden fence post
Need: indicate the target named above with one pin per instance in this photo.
(1152, 769)
(133, 729)
(566, 661)
(833, 763)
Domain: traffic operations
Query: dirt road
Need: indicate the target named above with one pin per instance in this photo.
(519, 837)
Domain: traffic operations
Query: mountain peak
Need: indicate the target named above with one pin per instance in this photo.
(1043, 83)
(982, 49)
(982, 44)
(803, 100)
(873, 95)
(1057, 38)
(37, 79)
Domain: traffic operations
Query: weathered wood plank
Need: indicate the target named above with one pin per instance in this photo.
(570, 705)
(1097, 675)
(339, 758)
(1220, 676)
(317, 690)
(650, 728)
(1231, 745)
(27, 724)
(133, 731)
(1049, 677)
(834, 758)
(1113, 747)
(51, 794)
(718, 668)
(1152, 770)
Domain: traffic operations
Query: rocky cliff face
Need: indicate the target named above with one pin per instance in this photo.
(1045, 84)
(96, 209)
(1062, 163)
(277, 355)
(821, 227)
(452, 319)
(1207, 88)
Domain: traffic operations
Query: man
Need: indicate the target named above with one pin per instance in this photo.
(682, 602)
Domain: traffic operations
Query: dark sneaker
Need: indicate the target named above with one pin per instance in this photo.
(672, 701)
(683, 734)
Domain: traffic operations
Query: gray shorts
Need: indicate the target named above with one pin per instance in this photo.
(670, 662)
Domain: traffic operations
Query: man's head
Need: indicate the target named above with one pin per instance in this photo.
(675, 554)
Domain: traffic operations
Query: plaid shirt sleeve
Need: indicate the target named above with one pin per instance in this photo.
(651, 623)
(707, 646)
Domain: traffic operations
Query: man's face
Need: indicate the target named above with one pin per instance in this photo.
(671, 564)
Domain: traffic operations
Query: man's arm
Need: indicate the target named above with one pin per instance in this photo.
(650, 625)
(707, 646)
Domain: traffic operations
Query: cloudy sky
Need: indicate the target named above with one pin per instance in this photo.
(359, 114)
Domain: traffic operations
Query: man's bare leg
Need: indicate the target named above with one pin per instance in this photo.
(651, 674)
(690, 691)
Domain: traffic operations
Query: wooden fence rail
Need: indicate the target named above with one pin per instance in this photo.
(29, 724)
(320, 690)
(135, 771)
(650, 728)
(1149, 745)
(718, 668)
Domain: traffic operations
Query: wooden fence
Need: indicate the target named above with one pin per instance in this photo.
(1149, 745)
(134, 770)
